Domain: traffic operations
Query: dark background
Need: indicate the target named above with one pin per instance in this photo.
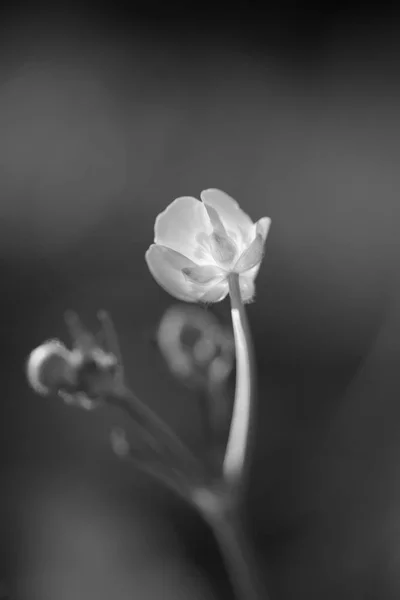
(107, 115)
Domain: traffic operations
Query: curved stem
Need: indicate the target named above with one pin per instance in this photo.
(236, 459)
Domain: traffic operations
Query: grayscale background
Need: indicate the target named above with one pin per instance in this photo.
(107, 115)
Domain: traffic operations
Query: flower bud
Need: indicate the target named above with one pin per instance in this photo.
(94, 372)
(49, 368)
(78, 376)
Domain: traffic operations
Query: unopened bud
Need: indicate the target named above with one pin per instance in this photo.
(49, 367)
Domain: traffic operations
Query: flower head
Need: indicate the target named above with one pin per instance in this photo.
(197, 244)
(197, 348)
(81, 376)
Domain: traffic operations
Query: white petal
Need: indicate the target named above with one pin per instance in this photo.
(247, 288)
(247, 283)
(252, 256)
(215, 219)
(262, 227)
(202, 274)
(252, 273)
(236, 222)
(216, 293)
(166, 267)
(185, 226)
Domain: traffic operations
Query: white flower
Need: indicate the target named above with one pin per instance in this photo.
(195, 345)
(52, 368)
(197, 244)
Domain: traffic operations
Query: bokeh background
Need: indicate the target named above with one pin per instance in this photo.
(108, 114)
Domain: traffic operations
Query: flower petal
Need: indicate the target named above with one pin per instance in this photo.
(167, 267)
(216, 293)
(185, 226)
(252, 256)
(262, 227)
(215, 219)
(223, 250)
(236, 222)
(202, 274)
(247, 288)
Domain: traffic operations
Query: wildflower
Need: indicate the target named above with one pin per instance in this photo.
(80, 376)
(200, 352)
(196, 347)
(197, 244)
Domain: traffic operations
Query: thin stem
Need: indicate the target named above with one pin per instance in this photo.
(158, 432)
(161, 432)
(238, 559)
(160, 473)
(219, 510)
(163, 478)
(156, 427)
(236, 461)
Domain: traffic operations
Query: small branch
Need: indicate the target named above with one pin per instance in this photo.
(158, 433)
(164, 479)
(158, 429)
(161, 474)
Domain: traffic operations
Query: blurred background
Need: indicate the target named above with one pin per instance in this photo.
(107, 115)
